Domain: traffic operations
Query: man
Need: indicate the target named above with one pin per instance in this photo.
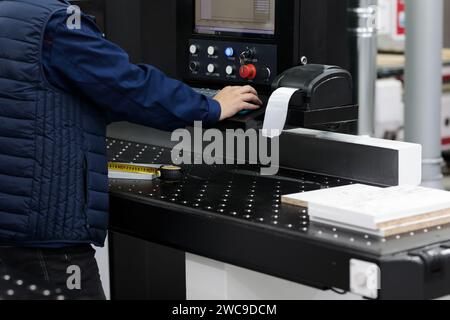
(58, 88)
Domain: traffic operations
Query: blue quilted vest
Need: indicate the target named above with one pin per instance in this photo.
(53, 164)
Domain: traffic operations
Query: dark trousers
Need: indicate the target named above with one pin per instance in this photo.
(50, 274)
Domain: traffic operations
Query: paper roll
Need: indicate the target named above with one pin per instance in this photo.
(276, 112)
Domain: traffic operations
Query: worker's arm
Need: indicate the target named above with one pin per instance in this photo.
(82, 61)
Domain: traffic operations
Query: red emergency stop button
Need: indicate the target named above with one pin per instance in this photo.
(248, 72)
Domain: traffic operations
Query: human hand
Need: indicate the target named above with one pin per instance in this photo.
(235, 99)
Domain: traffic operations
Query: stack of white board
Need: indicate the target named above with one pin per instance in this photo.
(382, 212)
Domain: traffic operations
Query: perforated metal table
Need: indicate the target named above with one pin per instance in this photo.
(234, 215)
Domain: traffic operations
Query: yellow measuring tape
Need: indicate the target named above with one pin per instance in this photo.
(169, 172)
(132, 168)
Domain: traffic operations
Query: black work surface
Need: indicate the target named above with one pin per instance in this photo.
(234, 215)
(239, 195)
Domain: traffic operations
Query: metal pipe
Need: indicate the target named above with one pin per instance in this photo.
(423, 83)
(363, 31)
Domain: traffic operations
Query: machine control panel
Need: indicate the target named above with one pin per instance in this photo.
(231, 62)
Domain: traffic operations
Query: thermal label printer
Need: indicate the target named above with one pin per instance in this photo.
(324, 96)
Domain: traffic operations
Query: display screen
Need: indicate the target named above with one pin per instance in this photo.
(254, 17)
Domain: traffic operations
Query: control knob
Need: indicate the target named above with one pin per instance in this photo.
(265, 73)
(246, 55)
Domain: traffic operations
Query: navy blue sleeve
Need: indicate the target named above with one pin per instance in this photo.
(83, 61)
